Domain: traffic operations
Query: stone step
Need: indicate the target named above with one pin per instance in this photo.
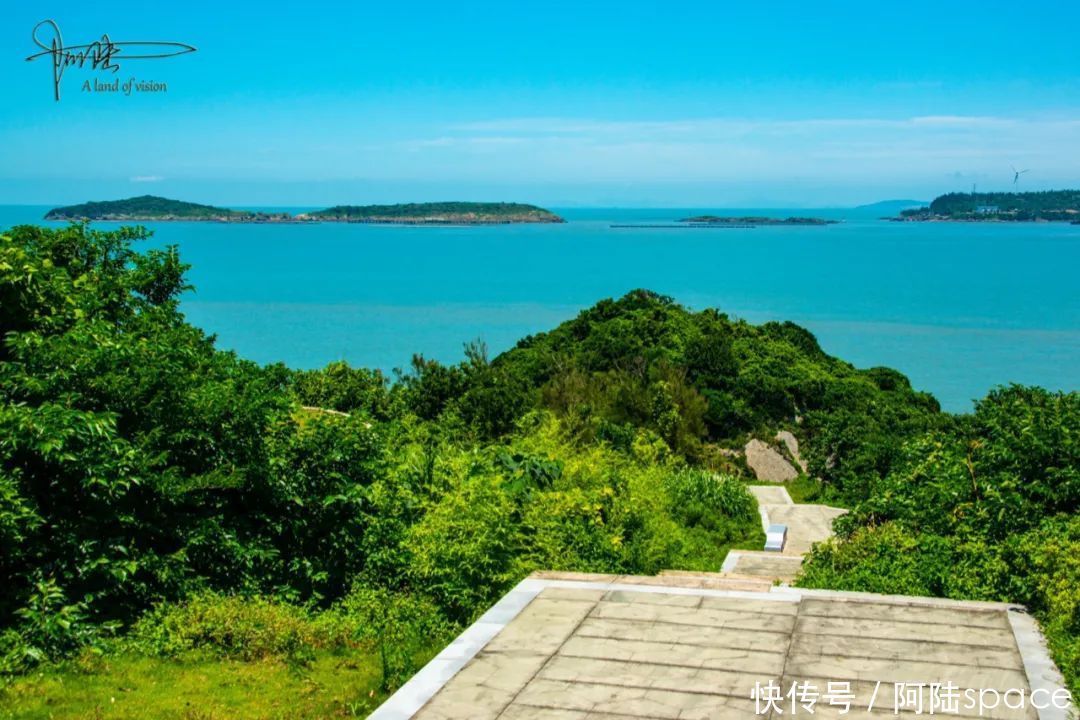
(769, 566)
(716, 581)
(666, 578)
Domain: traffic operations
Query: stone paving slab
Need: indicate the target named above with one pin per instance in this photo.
(890, 629)
(486, 686)
(906, 613)
(763, 662)
(526, 712)
(911, 670)
(694, 635)
(648, 674)
(543, 626)
(698, 617)
(635, 702)
(901, 650)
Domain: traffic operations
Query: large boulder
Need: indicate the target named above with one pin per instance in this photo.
(767, 464)
(792, 445)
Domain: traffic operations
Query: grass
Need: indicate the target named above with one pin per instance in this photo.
(341, 684)
(808, 490)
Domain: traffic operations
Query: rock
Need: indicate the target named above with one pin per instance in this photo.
(767, 464)
(792, 445)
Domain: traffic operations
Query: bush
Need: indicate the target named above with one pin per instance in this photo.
(228, 627)
(401, 627)
(885, 559)
(984, 508)
(461, 551)
(345, 389)
(717, 503)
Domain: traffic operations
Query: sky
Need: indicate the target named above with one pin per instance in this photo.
(673, 104)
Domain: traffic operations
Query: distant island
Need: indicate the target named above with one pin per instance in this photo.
(149, 208)
(437, 213)
(1047, 206)
(744, 221)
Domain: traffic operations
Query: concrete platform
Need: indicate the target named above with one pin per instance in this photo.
(594, 647)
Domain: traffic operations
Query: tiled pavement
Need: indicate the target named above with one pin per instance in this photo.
(604, 648)
(691, 646)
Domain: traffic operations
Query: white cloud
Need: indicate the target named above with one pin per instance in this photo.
(146, 178)
(919, 149)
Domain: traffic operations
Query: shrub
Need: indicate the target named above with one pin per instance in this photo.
(228, 626)
(714, 502)
(341, 387)
(402, 628)
(461, 551)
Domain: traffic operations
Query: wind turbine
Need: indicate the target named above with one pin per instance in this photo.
(1017, 174)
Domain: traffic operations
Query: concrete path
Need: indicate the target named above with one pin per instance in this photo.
(807, 524)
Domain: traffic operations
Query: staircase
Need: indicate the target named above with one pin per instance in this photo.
(752, 569)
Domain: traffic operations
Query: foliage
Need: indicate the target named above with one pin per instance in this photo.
(345, 389)
(142, 468)
(142, 207)
(984, 508)
(1044, 205)
(154, 486)
(438, 211)
(401, 626)
(232, 627)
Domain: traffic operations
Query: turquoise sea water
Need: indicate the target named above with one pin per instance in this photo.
(959, 308)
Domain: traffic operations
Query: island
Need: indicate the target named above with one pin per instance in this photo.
(149, 208)
(157, 209)
(1046, 206)
(754, 220)
(437, 213)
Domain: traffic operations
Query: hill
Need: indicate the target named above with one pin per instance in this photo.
(438, 213)
(1050, 205)
(151, 207)
(173, 517)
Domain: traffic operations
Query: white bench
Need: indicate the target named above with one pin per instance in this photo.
(776, 537)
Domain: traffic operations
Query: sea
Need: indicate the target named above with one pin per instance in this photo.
(958, 307)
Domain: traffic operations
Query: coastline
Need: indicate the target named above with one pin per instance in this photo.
(296, 220)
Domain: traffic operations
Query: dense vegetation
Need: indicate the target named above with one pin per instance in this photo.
(145, 207)
(143, 470)
(983, 509)
(1048, 205)
(172, 516)
(439, 212)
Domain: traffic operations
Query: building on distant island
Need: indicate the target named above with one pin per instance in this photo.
(987, 209)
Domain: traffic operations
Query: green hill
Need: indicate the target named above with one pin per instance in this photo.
(150, 207)
(1056, 205)
(179, 525)
(439, 213)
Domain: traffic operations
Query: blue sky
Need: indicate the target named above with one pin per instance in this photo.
(562, 103)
